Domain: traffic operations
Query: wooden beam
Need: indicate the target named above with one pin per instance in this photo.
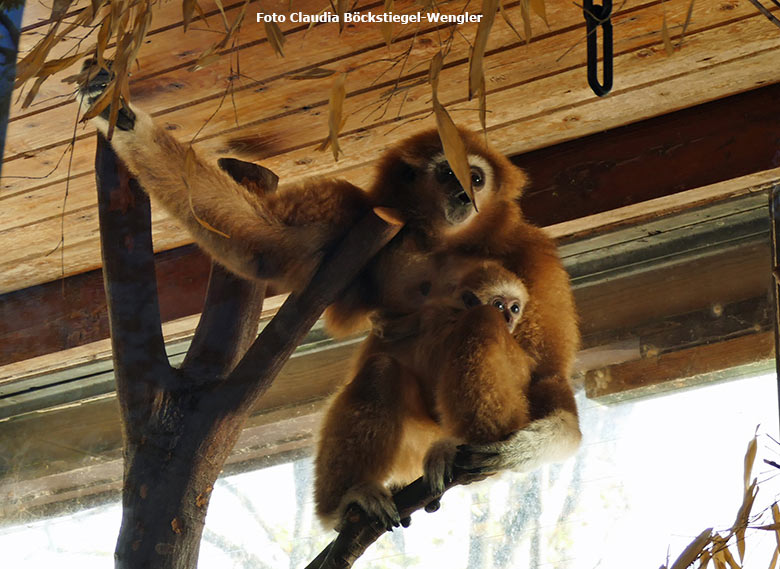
(711, 143)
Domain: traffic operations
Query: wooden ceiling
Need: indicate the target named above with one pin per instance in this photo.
(537, 97)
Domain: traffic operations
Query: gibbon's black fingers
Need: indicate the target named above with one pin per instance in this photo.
(95, 87)
(433, 506)
(469, 459)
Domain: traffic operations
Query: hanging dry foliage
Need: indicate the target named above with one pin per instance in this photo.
(335, 115)
(454, 149)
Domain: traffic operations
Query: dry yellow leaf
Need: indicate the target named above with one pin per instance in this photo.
(275, 37)
(452, 143)
(507, 20)
(525, 12)
(773, 562)
(539, 9)
(387, 27)
(690, 553)
(313, 73)
(750, 459)
(476, 63)
(338, 94)
(187, 10)
(666, 37)
(222, 12)
(729, 558)
(704, 560)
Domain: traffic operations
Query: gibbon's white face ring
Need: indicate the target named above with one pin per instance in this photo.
(476, 163)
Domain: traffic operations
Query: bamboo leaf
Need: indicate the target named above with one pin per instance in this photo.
(750, 458)
(222, 12)
(341, 9)
(387, 27)
(773, 562)
(275, 37)
(31, 63)
(507, 20)
(59, 8)
(187, 10)
(483, 104)
(694, 549)
(338, 94)
(33, 91)
(539, 9)
(525, 12)
(451, 141)
(667, 38)
(704, 560)
(730, 559)
(476, 63)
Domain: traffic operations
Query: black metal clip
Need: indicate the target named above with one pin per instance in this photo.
(595, 16)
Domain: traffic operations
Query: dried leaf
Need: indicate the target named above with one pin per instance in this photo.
(690, 553)
(222, 12)
(206, 58)
(338, 94)
(773, 562)
(187, 10)
(476, 63)
(729, 558)
(104, 35)
(483, 104)
(704, 560)
(101, 103)
(667, 38)
(33, 91)
(750, 458)
(507, 20)
(59, 8)
(776, 517)
(539, 9)
(341, 9)
(314, 73)
(387, 27)
(275, 37)
(454, 148)
(718, 557)
(525, 12)
(31, 63)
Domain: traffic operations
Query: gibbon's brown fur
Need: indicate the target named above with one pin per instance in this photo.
(450, 370)
(282, 237)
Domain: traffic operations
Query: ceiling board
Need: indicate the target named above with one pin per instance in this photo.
(537, 97)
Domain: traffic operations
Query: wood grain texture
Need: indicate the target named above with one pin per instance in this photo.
(536, 93)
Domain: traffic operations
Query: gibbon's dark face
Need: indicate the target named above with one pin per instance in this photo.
(457, 206)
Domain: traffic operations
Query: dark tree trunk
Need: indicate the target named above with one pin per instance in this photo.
(180, 424)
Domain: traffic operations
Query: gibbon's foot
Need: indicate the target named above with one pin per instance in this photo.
(375, 500)
(95, 87)
(438, 465)
(552, 439)
(406, 522)
(433, 506)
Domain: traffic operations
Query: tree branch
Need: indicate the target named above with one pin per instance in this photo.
(131, 287)
(360, 531)
(254, 374)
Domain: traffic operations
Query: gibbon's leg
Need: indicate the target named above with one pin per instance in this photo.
(481, 391)
(359, 443)
(279, 237)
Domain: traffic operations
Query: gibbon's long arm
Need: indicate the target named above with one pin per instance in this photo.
(274, 237)
(187, 187)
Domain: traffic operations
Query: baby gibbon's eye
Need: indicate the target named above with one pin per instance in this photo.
(498, 304)
(515, 308)
(477, 178)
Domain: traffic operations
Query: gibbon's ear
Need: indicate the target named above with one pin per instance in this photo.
(257, 179)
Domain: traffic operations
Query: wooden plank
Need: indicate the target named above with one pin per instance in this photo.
(677, 369)
(726, 76)
(292, 117)
(56, 316)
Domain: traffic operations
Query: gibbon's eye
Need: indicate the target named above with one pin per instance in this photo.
(444, 173)
(498, 303)
(477, 178)
(515, 308)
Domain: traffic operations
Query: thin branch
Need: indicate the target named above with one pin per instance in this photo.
(360, 531)
(760, 7)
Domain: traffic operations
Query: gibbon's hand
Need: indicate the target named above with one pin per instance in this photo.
(95, 87)
(550, 439)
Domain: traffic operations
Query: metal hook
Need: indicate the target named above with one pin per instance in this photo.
(599, 16)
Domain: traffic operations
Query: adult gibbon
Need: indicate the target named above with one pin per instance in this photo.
(282, 237)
